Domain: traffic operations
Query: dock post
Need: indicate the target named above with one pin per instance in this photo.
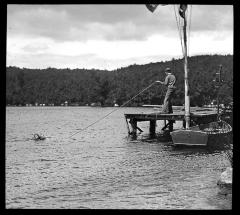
(127, 125)
(184, 124)
(171, 125)
(152, 128)
(133, 123)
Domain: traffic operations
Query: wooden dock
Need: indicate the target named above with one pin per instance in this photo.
(197, 116)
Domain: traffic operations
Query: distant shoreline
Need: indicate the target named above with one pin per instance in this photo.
(143, 106)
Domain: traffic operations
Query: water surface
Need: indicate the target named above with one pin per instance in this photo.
(101, 167)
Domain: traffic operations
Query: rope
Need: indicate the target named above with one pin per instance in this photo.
(178, 27)
(112, 111)
(156, 114)
(189, 28)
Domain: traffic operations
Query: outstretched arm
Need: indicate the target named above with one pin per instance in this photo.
(159, 82)
(166, 81)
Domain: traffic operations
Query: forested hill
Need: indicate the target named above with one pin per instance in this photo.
(82, 86)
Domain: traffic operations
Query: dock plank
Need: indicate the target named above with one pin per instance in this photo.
(197, 116)
(176, 115)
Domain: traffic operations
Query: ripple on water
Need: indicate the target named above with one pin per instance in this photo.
(102, 167)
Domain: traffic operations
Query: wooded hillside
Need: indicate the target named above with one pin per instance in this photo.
(82, 86)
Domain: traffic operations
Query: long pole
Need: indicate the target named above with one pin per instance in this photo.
(219, 85)
(187, 98)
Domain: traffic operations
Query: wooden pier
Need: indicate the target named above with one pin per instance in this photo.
(197, 116)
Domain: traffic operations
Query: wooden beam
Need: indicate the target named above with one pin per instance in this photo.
(198, 117)
(127, 125)
(134, 126)
(152, 128)
(165, 126)
(170, 125)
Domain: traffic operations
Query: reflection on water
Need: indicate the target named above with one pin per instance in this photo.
(101, 167)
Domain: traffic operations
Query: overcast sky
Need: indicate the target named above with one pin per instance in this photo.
(111, 36)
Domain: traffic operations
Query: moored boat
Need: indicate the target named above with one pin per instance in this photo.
(207, 134)
(213, 134)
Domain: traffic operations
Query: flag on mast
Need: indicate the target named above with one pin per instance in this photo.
(152, 7)
(182, 9)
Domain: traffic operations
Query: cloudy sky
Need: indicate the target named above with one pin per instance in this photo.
(111, 36)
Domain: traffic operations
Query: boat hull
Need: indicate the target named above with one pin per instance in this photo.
(189, 138)
(214, 134)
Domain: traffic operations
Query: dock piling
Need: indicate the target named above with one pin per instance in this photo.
(198, 117)
(152, 128)
(127, 125)
(133, 124)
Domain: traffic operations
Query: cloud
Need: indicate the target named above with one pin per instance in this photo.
(35, 48)
(32, 53)
(87, 61)
(212, 18)
(110, 22)
(111, 36)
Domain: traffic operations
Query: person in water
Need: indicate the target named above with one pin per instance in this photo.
(38, 137)
(170, 83)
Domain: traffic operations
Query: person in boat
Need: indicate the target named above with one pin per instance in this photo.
(170, 83)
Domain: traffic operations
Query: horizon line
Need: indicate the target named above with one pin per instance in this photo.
(134, 64)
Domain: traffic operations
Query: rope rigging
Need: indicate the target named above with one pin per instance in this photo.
(178, 27)
(189, 28)
(179, 23)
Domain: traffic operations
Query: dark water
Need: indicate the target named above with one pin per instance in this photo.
(102, 167)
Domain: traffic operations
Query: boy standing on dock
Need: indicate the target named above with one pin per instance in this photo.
(170, 83)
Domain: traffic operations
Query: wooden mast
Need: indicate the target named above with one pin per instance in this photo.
(152, 7)
(187, 98)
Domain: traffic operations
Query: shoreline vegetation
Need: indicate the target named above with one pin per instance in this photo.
(84, 87)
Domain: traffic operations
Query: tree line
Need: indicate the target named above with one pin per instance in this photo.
(106, 88)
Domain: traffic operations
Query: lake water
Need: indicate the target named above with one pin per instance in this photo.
(101, 167)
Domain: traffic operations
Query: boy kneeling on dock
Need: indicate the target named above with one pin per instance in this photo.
(170, 83)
